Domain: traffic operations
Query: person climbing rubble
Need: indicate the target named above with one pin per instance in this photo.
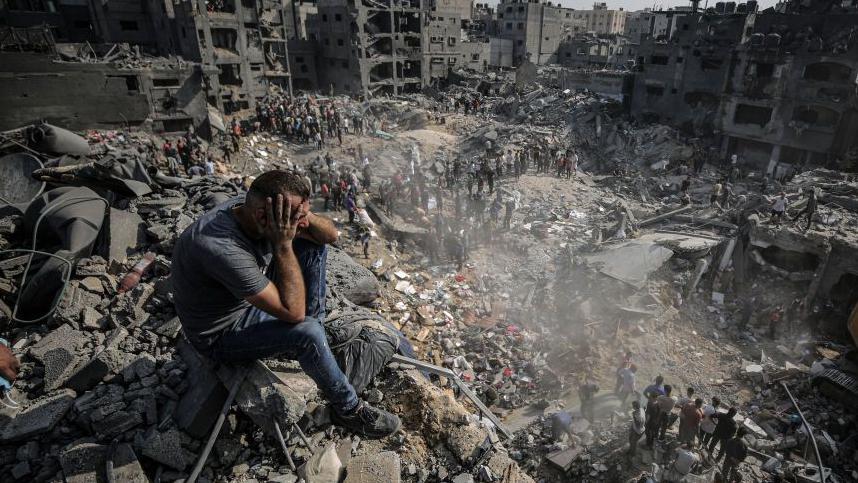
(249, 283)
(778, 209)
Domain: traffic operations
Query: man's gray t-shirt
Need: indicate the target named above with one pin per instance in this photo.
(214, 267)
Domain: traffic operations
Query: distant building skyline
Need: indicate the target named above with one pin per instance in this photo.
(632, 5)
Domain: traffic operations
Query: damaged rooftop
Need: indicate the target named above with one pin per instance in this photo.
(536, 243)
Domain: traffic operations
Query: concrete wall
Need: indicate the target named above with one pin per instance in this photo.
(457, 8)
(500, 52)
(83, 96)
(611, 84)
(584, 52)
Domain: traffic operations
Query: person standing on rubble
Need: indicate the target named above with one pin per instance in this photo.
(689, 423)
(627, 387)
(656, 388)
(724, 430)
(507, 216)
(666, 403)
(561, 165)
(586, 392)
(572, 166)
(652, 410)
(716, 192)
(231, 310)
(636, 428)
(778, 209)
(809, 209)
(707, 426)
(736, 450)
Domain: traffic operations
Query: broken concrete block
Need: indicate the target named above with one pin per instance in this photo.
(59, 354)
(322, 467)
(40, 417)
(200, 404)
(374, 468)
(166, 448)
(21, 470)
(108, 361)
(62, 337)
(93, 284)
(126, 232)
(464, 441)
(74, 299)
(115, 424)
(91, 319)
(350, 279)
(84, 461)
(170, 328)
(265, 398)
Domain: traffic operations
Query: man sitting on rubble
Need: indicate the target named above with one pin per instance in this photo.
(249, 283)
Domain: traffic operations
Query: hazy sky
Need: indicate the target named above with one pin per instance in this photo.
(639, 4)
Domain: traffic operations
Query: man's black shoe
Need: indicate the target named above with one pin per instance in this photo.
(368, 421)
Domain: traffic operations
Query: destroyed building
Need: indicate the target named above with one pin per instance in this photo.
(613, 52)
(112, 86)
(779, 100)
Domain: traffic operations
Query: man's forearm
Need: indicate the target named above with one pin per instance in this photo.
(290, 283)
(320, 229)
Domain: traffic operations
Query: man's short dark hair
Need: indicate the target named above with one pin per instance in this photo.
(277, 182)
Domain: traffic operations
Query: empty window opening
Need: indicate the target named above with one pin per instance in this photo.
(746, 114)
(790, 260)
(828, 72)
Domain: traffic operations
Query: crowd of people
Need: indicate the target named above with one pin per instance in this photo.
(304, 121)
(701, 425)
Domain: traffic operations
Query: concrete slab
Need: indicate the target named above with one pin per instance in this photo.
(39, 417)
(200, 404)
(126, 232)
(350, 279)
(166, 448)
(108, 360)
(374, 468)
(265, 398)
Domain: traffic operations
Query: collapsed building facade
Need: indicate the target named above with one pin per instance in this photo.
(784, 96)
(112, 85)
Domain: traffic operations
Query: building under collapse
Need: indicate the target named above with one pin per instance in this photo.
(777, 87)
(86, 86)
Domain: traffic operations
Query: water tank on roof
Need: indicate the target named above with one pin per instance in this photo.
(729, 7)
(773, 40)
(719, 7)
(758, 39)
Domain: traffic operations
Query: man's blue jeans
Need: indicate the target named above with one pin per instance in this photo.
(257, 335)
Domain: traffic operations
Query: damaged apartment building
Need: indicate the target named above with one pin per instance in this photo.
(776, 87)
(91, 85)
(376, 47)
(235, 49)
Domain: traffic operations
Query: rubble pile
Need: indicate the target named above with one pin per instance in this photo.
(106, 377)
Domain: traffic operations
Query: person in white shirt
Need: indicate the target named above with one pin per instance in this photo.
(685, 461)
(209, 166)
(778, 209)
(707, 426)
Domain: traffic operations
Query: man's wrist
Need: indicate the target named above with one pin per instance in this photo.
(284, 246)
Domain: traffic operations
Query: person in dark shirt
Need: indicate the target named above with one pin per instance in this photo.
(657, 388)
(249, 283)
(724, 430)
(586, 391)
(736, 451)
